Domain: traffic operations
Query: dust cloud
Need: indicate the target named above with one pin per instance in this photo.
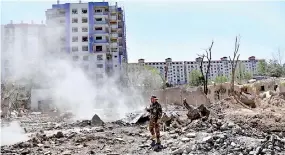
(12, 134)
(44, 65)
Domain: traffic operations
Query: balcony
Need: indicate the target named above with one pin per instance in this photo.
(113, 9)
(101, 32)
(101, 13)
(100, 22)
(114, 26)
(114, 35)
(114, 44)
(101, 41)
(113, 18)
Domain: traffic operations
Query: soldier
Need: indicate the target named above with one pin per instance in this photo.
(155, 111)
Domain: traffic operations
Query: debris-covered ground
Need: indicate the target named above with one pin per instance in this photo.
(230, 129)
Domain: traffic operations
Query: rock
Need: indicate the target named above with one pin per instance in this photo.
(224, 126)
(258, 150)
(66, 153)
(189, 148)
(96, 121)
(174, 136)
(177, 151)
(191, 135)
(207, 139)
(231, 124)
(59, 134)
(204, 111)
(233, 144)
(193, 114)
(39, 145)
(47, 153)
(120, 139)
(185, 139)
(99, 129)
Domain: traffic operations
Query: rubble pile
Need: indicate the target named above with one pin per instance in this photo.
(223, 132)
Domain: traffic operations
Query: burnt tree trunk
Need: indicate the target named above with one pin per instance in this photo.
(209, 59)
(234, 63)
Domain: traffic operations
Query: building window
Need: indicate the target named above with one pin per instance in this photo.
(99, 76)
(86, 58)
(74, 11)
(84, 39)
(74, 49)
(75, 58)
(74, 20)
(116, 57)
(98, 48)
(6, 62)
(75, 39)
(74, 29)
(98, 28)
(84, 48)
(86, 68)
(84, 20)
(62, 49)
(99, 65)
(98, 19)
(115, 65)
(99, 57)
(84, 11)
(99, 38)
(98, 10)
(84, 29)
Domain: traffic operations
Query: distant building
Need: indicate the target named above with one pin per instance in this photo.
(178, 72)
(92, 33)
(19, 42)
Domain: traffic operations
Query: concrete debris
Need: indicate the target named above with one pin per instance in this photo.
(197, 113)
(224, 127)
(96, 121)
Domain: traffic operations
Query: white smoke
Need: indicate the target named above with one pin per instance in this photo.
(13, 133)
(46, 66)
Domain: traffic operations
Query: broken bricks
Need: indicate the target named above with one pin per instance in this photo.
(197, 113)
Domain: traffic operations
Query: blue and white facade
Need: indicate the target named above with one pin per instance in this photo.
(92, 33)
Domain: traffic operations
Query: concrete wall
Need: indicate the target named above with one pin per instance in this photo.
(39, 95)
(176, 95)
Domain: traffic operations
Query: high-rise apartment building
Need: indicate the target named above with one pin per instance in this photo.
(93, 34)
(20, 45)
(178, 72)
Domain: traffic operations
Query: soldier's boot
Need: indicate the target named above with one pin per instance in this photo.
(152, 144)
(157, 146)
(158, 142)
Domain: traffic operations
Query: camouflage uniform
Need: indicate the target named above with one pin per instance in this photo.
(155, 114)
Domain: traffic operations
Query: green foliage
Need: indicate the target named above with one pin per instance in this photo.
(221, 79)
(275, 69)
(196, 78)
(271, 68)
(247, 75)
(262, 68)
(242, 74)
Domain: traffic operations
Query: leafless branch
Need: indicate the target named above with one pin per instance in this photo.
(234, 62)
(208, 56)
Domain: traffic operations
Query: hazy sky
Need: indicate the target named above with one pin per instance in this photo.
(159, 29)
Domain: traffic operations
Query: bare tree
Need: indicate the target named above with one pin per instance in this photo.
(208, 56)
(234, 63)
(278, 56)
